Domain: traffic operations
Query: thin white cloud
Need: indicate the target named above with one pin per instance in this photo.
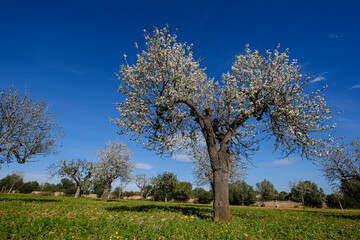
(355, 86)
(143, 166)
(282, 162)
(181, 157)
(319, 78)
(335, 36)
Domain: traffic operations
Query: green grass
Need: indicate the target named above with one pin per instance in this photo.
(36, 217)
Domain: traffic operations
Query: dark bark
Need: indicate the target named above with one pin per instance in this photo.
(106, 192)
(221, 169)
(78, 189)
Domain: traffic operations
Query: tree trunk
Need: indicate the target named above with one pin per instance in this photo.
(106, 192)
(221, 196)
(221, 167)
(166, 197)
(78, 189)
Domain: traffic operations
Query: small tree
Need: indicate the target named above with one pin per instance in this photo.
(120, 188)
(167, 95)
(240, 193)
(12, 182)
(307, 193)
(142, 181)
(29, 187)
(27, 128)
(114, 162)
(78, 170)
(266, 190)
(165, 185)
(183, 191)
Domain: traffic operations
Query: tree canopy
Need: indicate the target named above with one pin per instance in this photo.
(27, 127)
(169, 103)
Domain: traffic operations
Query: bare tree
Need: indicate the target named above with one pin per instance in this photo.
(27, 128)
(142, 181)
(78, 170)
(167, 94)
(114, 162)
(122, 185)
(342, 162)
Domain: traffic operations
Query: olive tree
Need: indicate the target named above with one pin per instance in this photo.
(78, 170)
(27, 127)
(113, 163)
(167, 95)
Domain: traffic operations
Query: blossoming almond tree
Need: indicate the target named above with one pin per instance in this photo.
(114, 162)
(168, 95)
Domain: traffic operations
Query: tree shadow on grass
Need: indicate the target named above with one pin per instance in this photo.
(28, 200)
(335, 214)
(201, 212)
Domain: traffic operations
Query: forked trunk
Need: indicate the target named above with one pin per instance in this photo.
(106, 192)
(78, 189)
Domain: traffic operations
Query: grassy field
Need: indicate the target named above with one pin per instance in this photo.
(35, 217)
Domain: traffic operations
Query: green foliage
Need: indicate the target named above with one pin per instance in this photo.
(266, 190)
(13, 182)
(206, 197)
(283, 196)
(351, 192)
(183, 192)
(29, 187)
(49, 187)
(164, 186)
(241, 193)
(36, 217)
(97, 186)
(308, 193)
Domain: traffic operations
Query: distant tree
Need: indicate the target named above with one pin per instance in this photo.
(206, 197)
(12, 182)
(29, 187)
(67, 186)
(148, 190)
(120, 188)
(183, 191)
(114, 162)
(142, 181)
(167, 95)
(27, 128)
(49, 187)
(196, 192)
(307, 193)
(240, 193)
(97, 186)
(351, 193)
(78, 170)
(334, 200)
(282, 196)
(165, 186)
(266, 190)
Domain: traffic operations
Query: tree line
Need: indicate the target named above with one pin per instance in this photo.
(166, 187)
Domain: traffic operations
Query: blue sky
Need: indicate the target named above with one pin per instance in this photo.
(66, 52)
